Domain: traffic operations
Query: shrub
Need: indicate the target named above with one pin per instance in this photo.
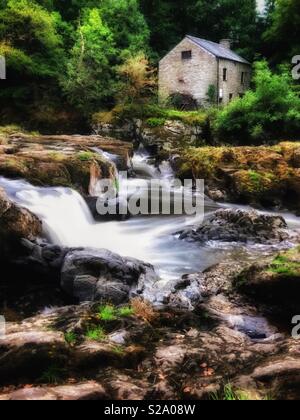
(269, 111)
(143, 310)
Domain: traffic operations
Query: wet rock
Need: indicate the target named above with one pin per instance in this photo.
(87, 391)
(17, 222)
(30, 352)
(95, 275)
(240, 226)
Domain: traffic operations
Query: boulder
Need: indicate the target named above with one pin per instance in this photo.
(95, 275)
(230, 225)
(274, 281)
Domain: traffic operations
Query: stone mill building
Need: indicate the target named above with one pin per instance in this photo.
(204, 71)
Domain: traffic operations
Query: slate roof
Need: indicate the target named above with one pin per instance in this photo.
(217, 50)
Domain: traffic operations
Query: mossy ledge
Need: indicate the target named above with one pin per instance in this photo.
(68, 161)
(266, 175)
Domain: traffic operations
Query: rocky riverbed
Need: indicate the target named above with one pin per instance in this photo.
(86, 323)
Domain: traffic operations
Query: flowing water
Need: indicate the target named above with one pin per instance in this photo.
(67, 221)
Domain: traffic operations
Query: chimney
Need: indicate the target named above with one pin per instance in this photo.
(226, 43)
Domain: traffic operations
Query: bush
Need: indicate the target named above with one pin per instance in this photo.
(154, 114)
(270, 111)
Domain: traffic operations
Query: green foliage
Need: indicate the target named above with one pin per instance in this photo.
(95, 333)
(171, 20)
(284, 265)
(88, 82)
(53, 375)
(126, 312)
(153, 114)
(137, 80)
(71, 337)
(128, 25)
(269, 111)
(283, 32)
(155, 122)
(85, 156)
(212, 94)
(230, 394)
(107, 313)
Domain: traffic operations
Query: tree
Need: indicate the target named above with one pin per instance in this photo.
(33, 48)
(138, 80)
(171, 20)
(284, 33)
(127, 23)
(89, 80)
(218, 19)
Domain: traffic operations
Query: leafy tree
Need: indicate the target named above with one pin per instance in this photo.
(138, 80)
(269, 111)
(127, 23)
(33, 48)
(171, 20)
(284, 33)
(88, 82)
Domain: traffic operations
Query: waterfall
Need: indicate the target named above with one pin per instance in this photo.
(67, 221)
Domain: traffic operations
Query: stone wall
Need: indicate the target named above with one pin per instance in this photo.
(233, 86)
(187, 76)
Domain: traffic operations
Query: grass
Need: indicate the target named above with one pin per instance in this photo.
(71, 338)
(283, 265)
(118, 350)
(53, 375)
(228, 393)
(95, 333)
(85, 156)
(126, 312)
(109, 313)
(154, 114)
(155, 122)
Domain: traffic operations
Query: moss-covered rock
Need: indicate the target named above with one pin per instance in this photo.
(267, 176)
(71, 161)
(275, 281)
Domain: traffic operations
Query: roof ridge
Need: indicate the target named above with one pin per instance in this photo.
(217, 49)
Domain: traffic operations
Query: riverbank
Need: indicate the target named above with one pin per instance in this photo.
(206, 309)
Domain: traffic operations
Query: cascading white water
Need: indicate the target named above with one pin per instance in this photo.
(68, 221)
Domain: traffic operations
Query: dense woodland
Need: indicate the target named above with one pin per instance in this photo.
(69, 59)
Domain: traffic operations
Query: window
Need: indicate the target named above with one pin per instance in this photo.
(243, 77)
(224, 75)
(186, 55)
(230, 96)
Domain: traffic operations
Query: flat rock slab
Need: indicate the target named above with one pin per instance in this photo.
(88, 391)
(31, 352)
